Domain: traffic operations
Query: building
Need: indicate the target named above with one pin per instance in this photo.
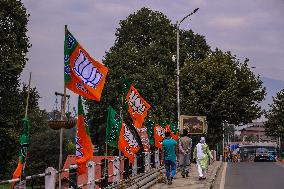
(255, 132)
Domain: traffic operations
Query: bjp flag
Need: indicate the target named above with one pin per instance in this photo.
(137, 107)
(159, 135)
(127, 143)
(82, 74)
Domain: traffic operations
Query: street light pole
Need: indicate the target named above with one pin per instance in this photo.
(178, 71)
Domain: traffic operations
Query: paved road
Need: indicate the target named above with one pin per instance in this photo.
(259, 175)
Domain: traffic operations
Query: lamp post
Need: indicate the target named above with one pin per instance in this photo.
(177, 59)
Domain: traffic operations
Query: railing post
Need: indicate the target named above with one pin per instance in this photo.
(21, 185)
(50, 178)
(91, 175)
(116, 170)
(104, 173)
(126, 168)
(134, 166)
(147, 162)
(73, 177)
(157, 159)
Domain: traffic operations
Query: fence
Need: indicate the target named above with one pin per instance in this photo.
(117, 174)
(109, 172)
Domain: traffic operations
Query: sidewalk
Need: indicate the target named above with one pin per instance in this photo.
(192, 181)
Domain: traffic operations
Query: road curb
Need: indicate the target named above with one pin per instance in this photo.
(215, 175)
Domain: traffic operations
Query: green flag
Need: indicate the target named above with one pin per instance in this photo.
(114, 124)
(173, 127)
(162, 122)
(150, 130)
(70, 44)
(24, 143)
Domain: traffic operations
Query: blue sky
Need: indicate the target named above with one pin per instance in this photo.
(251, 29)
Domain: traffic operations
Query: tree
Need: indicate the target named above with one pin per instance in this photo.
(274, 126)
(142, 53)
(14, 46)
(44, 142)
(221, 88)
(13, 49)
(44, 147)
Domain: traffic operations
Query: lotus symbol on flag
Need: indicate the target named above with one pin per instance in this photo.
(86, 70)
(130, 138)
(136, 103)
(160, 132)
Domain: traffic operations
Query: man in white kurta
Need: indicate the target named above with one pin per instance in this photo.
(201, 154)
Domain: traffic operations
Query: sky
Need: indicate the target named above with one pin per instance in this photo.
(251, 29)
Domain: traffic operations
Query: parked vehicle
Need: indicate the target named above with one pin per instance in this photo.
(248, 152)
(261, 154)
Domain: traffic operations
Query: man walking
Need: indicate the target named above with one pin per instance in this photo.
(185, 144)
(201, 154)
(169, 147)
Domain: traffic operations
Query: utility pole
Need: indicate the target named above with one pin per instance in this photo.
(63, 105)
(177, 59)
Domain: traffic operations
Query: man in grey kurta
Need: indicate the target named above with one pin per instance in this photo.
(185, 144)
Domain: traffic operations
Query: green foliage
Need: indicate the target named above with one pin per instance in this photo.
(274, 126)
(44, 142)
(142, 53)
(13, 49)
(10, 131)
(221, 88)
(44, 149)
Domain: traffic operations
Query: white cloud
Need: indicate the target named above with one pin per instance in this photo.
(228, 22)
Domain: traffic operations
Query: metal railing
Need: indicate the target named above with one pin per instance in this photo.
(130, 176)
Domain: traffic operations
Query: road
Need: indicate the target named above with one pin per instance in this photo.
(250, 175)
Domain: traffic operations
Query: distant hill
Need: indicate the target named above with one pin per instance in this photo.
(272, 87)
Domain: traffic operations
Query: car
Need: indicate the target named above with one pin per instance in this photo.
(261, 154)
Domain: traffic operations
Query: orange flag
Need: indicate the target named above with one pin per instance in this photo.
(137, 107)
(84, 146)
(159, 135)
(173, 135)
(17, 173)
(144, 138)
(82, 74)
(127, 143)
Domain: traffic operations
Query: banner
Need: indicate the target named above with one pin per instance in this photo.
(82, 74)
(159, 135)
(137, 107)
(23, 151)
(114, 124)
(84, 146)
(127, 143)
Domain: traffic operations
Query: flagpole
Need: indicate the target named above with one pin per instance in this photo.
(105, 159)
(120, 114)
(105, 155)
(61, 129)
(27, 102)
